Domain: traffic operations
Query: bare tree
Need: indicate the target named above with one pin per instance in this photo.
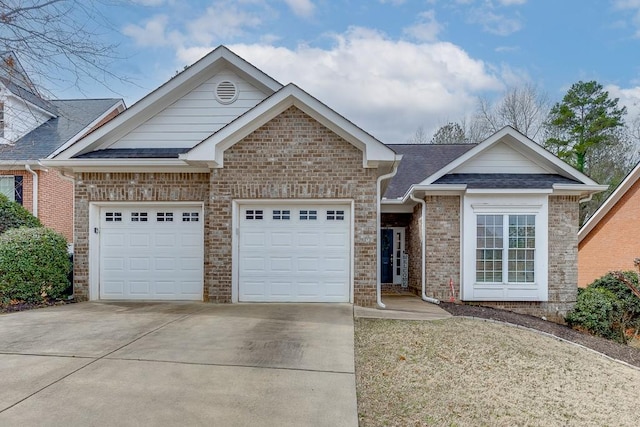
(419, 137)
(58, 41)
(524, 108)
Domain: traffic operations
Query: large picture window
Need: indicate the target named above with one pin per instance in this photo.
(498, 257)
(505, 247)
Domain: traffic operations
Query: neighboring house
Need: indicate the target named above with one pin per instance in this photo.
(224, 185)
(32, 128)
(609, 239)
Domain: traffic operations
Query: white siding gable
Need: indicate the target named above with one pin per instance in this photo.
(20, 118)
(193, 117)
(501, 158)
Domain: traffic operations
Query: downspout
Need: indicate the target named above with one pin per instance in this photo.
(381, 178)
(423, 231)
(35, 190)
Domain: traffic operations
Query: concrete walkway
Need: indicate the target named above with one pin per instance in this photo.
(403, 307)
(93, 364)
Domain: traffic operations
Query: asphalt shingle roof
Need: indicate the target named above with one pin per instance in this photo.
(74, 115)
(420, 161)
(134, 153)
(505, 180)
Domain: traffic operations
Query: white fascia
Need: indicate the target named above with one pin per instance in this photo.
(122, 165)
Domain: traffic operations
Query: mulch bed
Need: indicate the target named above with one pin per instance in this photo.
(21, 306)
(610, 348)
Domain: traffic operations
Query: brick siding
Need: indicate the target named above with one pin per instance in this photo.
(443, 245)
(127, 187)
(291, 157)
(613, 243)
(55, 203)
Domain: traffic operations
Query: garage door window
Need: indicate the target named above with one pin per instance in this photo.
(164, 217)
(254, 214)
(113, 216)
(281, 214)
(190, 217)
(308, 215)
(139, 217)
(335, 215)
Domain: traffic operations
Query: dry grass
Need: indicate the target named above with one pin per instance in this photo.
(460, 372)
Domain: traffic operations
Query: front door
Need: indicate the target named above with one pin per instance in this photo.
(391, 248)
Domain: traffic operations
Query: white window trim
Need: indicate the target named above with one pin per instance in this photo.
(529, 204)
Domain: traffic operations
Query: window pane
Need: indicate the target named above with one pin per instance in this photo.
(7, 187)
(521, 248)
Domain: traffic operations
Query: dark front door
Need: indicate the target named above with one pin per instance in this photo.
(386, 248)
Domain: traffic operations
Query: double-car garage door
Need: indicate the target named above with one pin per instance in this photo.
(285, 252)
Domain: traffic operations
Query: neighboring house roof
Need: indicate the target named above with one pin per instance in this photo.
(609, 203)
(420, 161)
(28, 96)
(74, 116)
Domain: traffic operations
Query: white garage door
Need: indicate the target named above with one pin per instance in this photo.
(151, 253)
(294, 253)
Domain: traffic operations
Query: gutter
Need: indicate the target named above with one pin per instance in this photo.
(394, 170)
(35, 189)
(423, 244)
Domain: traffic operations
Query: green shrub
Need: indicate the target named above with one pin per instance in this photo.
(600, 312)
(34, 265)
(14, 215)
(630, 302)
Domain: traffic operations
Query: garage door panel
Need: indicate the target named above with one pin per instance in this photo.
(297, 258)
(139, 264)
(145, 255)
(139, 287)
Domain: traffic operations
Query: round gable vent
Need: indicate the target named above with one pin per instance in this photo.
(226, 92)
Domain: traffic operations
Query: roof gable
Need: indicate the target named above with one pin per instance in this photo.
(211, 150)
(219, 60)
(509, 144)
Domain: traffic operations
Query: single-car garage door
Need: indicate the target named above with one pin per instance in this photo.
(294, 253)
(151, 252)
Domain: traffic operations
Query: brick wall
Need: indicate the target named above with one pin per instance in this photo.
(121, 187)
(293, 157)
(613, 243)
(443, 245)
(55, 203)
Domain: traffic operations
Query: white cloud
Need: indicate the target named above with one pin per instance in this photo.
(427, 28)
(494, 23)
(393, 2)
(629, 97)
(222, 20)
(153, 32)
(387, 87)
(512, 2)
(303, 8)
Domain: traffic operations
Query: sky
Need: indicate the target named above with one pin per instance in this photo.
(390, 66)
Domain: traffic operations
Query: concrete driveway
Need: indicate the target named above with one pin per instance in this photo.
(178, 364)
